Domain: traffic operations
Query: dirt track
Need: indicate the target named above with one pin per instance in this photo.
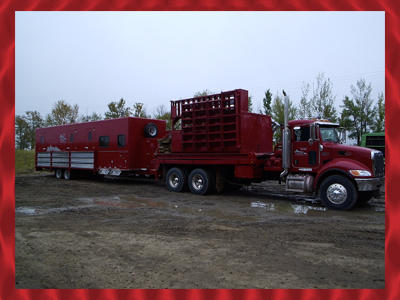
(134, 233)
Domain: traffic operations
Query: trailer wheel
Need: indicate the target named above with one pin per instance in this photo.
(338, 192)
(59, 173)
(177, 180)
(200, 182)
(67, 174)
(151, 130)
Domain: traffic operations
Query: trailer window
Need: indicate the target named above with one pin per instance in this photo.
(89, 136)
(71, 137)
(42, 139)
(104, 141)
(121, 140)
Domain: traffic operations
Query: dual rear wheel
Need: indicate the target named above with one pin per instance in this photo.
(63, 174)
(199, 181)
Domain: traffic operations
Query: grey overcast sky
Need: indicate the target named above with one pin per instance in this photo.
(94, 58)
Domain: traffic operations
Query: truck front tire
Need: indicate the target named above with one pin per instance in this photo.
(200, 182)
(338, 192)
(176, 180)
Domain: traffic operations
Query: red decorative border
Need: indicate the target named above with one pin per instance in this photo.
(7, 159)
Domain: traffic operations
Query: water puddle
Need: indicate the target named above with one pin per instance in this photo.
(233, 210)
(287, 207)
(42, 211)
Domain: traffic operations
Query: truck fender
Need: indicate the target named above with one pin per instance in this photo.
(337, 166)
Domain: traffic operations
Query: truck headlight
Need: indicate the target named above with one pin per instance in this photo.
(359, 173)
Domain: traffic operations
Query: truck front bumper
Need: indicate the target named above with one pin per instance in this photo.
(370, 184)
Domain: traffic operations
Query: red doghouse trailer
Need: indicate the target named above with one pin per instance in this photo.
(107, 147)
(216, 144)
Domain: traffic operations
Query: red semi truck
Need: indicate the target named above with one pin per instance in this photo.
(216, 144)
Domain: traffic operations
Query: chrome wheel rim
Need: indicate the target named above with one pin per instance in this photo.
(174, 180)
(152, 130)
(337, 193)
(198, 182)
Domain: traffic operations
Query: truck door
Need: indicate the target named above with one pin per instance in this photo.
(304, 155)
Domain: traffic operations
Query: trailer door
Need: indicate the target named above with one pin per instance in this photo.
(90, 139)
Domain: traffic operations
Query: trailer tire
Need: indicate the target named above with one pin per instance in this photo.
(67, 174)
(177, 180)
(151, 130)
(200, 182)
(58, 173)
(338, 192)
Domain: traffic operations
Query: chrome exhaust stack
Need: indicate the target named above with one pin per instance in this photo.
(285, 141)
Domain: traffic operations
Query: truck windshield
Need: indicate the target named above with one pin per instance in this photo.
(329, 134)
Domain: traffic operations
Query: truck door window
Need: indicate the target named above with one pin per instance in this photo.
(121, 140)
(104, 141)
(71, 137)
(302, 134)
(89, 136)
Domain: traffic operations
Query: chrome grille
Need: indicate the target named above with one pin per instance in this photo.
(379, 165)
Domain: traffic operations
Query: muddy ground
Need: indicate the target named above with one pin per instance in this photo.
(134, 233)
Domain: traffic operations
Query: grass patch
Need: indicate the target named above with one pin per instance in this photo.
(24, 161)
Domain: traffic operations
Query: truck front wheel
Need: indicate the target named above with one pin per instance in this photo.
(338, 192)
(200, 182)
(177, 180)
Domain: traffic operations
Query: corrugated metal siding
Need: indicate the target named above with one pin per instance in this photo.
(75, 160)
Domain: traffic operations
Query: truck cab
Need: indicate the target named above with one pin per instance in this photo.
(319, 162)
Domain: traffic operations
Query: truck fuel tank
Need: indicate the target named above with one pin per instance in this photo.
(300, 183)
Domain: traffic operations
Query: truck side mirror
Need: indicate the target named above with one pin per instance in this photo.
(343, 135)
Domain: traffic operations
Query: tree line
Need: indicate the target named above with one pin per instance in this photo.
(63, 113)
(359, 115)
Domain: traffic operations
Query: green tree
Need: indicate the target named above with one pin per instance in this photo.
(89, 118)
(267, 103)
(21, 140)
(117, 110)
(322, 102)
(161, 113)
(250, 104)
(278, 113)
(203, 93)
(139, 110)
(304, 110)
(379, 122)
(34, 121)
(62, 113)
(358, 114)
(25, 129)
